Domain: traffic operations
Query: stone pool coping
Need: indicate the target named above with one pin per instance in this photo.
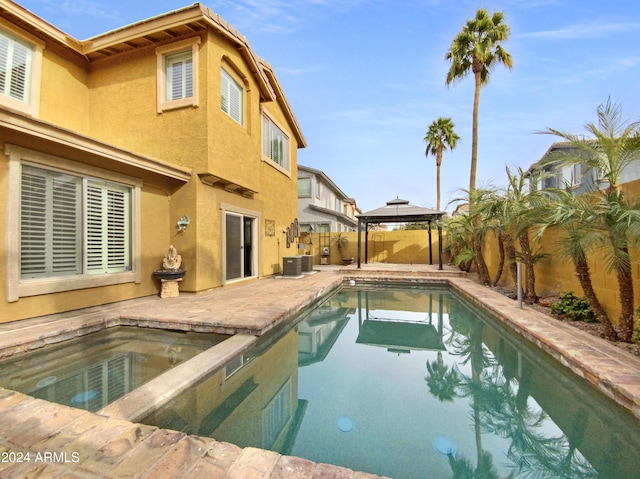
(110, 446)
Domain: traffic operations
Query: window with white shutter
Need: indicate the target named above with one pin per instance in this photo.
(231, 97)
(179, 76)
(59, 213)
(15, 68)
(275, 144)
(177, 71)
(50, 234)
(20, 70)
(107, 232)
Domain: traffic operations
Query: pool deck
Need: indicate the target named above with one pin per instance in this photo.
(72, 443)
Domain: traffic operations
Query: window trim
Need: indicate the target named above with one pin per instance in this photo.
(286, 170)
(17, 287)
(31, 108)
(161, 55)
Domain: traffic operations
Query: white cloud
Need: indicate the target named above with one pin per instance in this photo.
(584, 30)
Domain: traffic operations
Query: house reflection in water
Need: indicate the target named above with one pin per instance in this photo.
(319, 331)
(253, 401)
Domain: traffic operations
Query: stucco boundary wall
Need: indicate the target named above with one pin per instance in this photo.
(399, 247)
(554, 274)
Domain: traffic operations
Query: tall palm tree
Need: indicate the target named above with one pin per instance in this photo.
(440, 135)
(612, 146)
(477, 49)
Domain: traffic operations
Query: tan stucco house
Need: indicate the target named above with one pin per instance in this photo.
(107, 143)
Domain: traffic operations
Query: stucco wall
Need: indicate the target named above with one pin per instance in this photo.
(115, 101)
(403, 247)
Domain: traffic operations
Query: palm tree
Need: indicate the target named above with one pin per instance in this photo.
(612, 146)
(477, 49)
(525, 205)
(566, 212)
(459, 233)
(476, 228)
(440, 136)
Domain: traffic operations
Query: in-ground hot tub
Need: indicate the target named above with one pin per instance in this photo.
(92, 371)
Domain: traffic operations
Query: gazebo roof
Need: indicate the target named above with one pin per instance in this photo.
(399, 210)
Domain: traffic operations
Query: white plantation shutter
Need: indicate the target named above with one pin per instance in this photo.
(66, 217)
(15, 68)
(230, 97)
(179, 76)
(224, 91)
(275, 144)
(50, 226)
(33, 225)
(107, 244)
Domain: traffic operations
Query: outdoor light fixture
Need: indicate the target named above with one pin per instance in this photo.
(183, 222)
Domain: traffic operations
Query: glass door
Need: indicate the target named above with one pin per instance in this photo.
(239, 252)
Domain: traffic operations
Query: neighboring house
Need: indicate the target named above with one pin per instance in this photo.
(106, 143)
(322, 206)
(576, 176)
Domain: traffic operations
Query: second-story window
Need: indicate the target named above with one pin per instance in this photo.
(20, 62)
(179, 76)
(304, 187)
(275, 144)
(15, 68)
(231, 97)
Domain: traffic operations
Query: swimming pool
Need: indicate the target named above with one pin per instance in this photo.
(410, 382)
(92, 371)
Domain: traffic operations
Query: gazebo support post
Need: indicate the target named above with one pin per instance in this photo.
(430, 251)
(366, 243)
(439, 246)
(359, 241)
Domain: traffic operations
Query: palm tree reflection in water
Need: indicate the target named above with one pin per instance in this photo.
(499, 406)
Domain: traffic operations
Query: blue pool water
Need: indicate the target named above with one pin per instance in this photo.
(411, 383)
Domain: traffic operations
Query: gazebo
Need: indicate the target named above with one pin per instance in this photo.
(399, 211)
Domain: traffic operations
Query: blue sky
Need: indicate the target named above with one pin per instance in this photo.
(365, 78)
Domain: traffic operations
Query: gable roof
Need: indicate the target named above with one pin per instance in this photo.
(328, 181)
(158, 30)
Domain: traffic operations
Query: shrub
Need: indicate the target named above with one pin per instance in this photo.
(573, 308)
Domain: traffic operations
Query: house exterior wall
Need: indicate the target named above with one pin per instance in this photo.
(114, 101)
(332, 203)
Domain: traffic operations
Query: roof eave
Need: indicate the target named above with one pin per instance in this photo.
(20, 124)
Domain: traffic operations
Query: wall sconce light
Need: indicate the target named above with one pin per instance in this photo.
(183, 222)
